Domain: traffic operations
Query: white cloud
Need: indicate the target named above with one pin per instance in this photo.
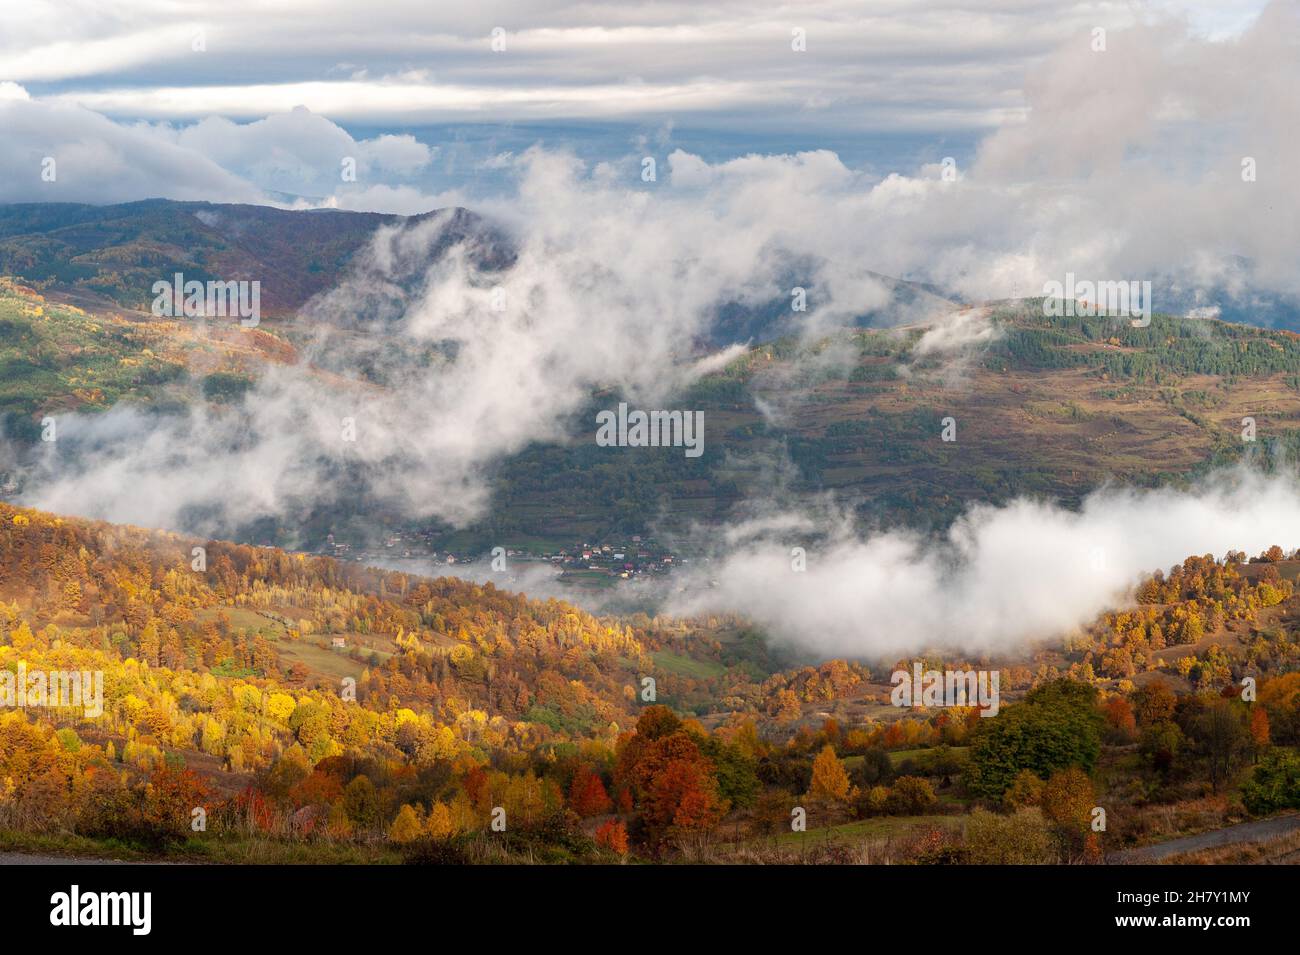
(391, 200)
(577, 318)
(28, 58)
(97, 160)
(1127, 164)
(405, 102)
(614, 285)
(963, 331)
(999, 579)
(896, 64)
(298, 152)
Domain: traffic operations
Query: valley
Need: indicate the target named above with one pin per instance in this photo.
(357, 684)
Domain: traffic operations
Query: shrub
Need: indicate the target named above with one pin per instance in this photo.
(1022, 838)
(1275, 784)
(875, 769)
(911, 796)
(1025, 790)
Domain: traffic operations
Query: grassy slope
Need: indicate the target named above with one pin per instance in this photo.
(56, 357)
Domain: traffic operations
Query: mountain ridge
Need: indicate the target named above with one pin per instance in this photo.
(110, 256)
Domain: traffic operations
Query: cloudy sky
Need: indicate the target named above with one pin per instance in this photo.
(882, 65)
(232, 99)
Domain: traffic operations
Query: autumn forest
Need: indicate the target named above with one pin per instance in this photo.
(281, 707)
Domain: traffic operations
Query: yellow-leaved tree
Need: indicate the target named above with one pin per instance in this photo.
(406, 826)
(439, 824)
(830, 781)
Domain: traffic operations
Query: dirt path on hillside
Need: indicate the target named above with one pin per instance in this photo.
(1229, 835)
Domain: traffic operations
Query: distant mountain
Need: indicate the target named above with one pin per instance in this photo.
(110, 256)
(1236, 296)
(905, 303)
(1048, 406)
(1249, 307)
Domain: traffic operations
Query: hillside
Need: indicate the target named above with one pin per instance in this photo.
(56, 357)
(108, 257)
(226, 688)
(1043, 406)
(1050, 406)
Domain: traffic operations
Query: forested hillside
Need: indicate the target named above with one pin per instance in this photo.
(1047, 406)
(111, 255)
(315, 709)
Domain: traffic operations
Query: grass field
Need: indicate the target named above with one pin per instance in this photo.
(320, 661)
(922, 756)
(56, 357)
(687, 666)
(212, 849)
(926, 755)
(591, 579)
(241, 617)
(879, 827)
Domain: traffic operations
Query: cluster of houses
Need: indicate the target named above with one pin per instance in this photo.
(635, 558)
(629, 560)
(397, 544)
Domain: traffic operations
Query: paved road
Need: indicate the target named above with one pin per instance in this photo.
(1229, 835)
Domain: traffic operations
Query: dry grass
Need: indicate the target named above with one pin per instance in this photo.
(1278, 850)
(1158, 823)
(916, 844)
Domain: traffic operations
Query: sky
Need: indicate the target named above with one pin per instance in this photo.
(430, 95)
